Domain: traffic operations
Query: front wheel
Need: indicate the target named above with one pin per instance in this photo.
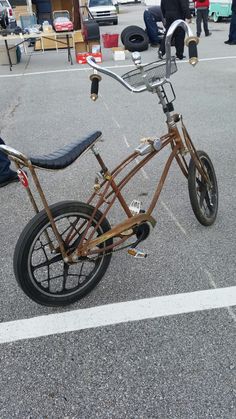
(38, 264)
(215, 17)
(203, 195)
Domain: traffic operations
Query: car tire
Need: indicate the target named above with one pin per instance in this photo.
(129, 29)
(136, 40)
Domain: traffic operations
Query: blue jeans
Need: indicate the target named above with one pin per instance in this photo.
(151, 27)
(232, 28)
(5, 171)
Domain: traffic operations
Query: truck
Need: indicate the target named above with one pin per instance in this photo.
(103, 11)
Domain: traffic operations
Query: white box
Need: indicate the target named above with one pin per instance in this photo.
(119, 55)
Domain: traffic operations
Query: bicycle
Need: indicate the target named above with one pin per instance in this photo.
(65, 250)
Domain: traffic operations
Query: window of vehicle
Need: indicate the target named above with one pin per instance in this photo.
(95, 3)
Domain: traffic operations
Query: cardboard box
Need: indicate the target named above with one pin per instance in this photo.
(80, 47)
(92, 44)
(81, 57)
(95, 48)
(97, 56)
(118, 54)
(78, 37)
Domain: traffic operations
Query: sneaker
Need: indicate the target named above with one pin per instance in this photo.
(232, 43)
(160, 55)
(153, 45)
(227, 42)
(209, 34)
(11, 179)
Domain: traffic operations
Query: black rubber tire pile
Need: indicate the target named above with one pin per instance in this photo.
(134, 38)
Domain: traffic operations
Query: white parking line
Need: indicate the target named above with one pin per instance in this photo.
(111, 314)
(173, 218)
(70, 70)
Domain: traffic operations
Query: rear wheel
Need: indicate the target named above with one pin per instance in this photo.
(42, 273)
(203, 196)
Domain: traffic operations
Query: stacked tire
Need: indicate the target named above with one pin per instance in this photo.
(134, 38)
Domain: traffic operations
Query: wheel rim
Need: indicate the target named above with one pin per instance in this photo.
(206, 193)
(48, 272)
(215, 17)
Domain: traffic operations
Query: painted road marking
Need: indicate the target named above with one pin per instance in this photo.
(110, 314)
(70, 70)
(173, 218)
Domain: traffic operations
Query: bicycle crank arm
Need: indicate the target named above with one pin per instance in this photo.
(114, 232)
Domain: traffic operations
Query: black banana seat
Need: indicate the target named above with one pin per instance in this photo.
(66, 155)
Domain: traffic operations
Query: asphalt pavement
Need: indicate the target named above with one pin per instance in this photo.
(181, 365)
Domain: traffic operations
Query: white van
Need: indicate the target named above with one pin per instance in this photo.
(103, 11)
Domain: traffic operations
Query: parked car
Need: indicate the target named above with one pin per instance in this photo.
(4, 4)
(192, 7)
(103, 11)
(128, 1)
(3, 17)
(61, 21)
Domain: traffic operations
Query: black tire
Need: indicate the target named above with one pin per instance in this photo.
(44, 276)
(136, 41)
(115, 22)
(203, 198)
(130, 29)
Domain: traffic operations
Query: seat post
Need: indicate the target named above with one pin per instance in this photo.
(108, 177)
(99, 159)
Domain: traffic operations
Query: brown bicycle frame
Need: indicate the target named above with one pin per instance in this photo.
(109, 191)
(178, 148)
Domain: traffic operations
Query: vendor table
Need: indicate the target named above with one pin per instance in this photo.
(22, 38)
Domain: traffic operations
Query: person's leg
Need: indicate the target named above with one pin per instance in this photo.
(161, 32)
(6, 174)
(162, 49)
(199, 22)
(179, 42)
(232, 29)
(205, 21)
(151, 27)
(4, 163)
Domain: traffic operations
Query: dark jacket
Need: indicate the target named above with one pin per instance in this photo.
(176, 9)
(157, 13)
(234, 6)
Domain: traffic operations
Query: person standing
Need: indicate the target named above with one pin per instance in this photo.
(173, 10)
(151, 16)
(6, 174)
(202, 8)
(232, 28)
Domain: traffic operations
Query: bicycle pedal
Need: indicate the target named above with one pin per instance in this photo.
(135, 207)
(137, 253)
